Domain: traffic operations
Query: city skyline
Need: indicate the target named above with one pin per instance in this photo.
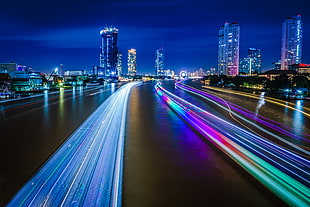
(56, 33)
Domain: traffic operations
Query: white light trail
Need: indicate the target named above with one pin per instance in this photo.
(87, 169)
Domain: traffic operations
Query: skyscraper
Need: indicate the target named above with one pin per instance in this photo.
(252, 63)
(119, 64)
(132, 62)
(291, 42)
(255, 57)
(228, 51)
(109, 50)
(159, 62)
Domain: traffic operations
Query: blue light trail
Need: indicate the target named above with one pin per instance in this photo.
(284, 172)
(87, 169)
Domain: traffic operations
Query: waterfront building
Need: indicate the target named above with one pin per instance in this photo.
(291, 42)
(109, 51)
(228, 50)
(8, 67)
(301, 68)
(159, 62)
(132, 62)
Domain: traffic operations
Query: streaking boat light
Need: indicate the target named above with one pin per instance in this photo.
(87, 169)
(285, 173)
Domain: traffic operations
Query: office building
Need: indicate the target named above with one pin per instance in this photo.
(252, 63)
(255, 57)
(228, 50)
(119, 67)
(291, 42)
(109, 51)
(159, 62)
(244, 66)
(132, 62)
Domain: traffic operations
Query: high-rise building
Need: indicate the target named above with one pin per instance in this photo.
(228, 51)
(61, 69)
(159, 62)
(252, 63)
(255, 56)
(132, 62)
(291, 42)
(119, 64)
(109, 50)
(244, 65)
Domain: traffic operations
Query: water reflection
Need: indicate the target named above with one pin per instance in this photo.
(46, 107)
(61, 110)
(260, 102)
(74, 89)
(298, 117)
(112, 87)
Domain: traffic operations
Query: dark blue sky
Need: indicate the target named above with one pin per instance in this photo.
(45, 33)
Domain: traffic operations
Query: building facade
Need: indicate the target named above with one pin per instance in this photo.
(301, 68)
(252, 63)
(244, 66)
(119, 67)
(255, 57)
(159, 62)
(291, 42)
(109, 51)
(8, 67)
(132, 62)
(228, 50)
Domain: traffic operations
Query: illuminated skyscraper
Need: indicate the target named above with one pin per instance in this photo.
(108, 55)
(291, 42)
(119, 64)
(255, 56)
(132, 62)
(228, 51)
(159, 62)
(253, 63)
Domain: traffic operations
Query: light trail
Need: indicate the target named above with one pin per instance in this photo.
(267, 99)
(285, 173)
(280, 128)
(87, 169)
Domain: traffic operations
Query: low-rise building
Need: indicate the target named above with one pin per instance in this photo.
(271, 74)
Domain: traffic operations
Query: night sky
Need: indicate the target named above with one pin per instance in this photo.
(42, 34)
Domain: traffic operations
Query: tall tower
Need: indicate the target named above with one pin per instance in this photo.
(228, 51)
(132, 62)
(159, 62)
(108, 55)
(255, 60)
(291, 42)
(119, 64)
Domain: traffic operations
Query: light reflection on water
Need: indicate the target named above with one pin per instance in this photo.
(113, 87)
(298, 117)
(61, 111)
(260, 102)
(74, 89)
(46, 108)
